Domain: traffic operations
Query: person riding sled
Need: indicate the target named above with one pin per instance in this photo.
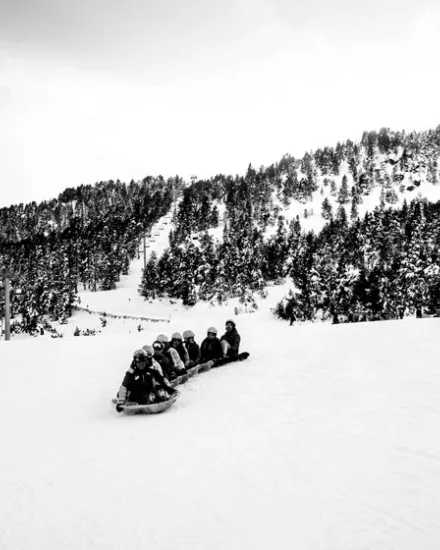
(177, 344)
(155, 364)
(192, 348)
(230, 341)
(142, 383)
(211, 350)
(177, 367)
(162, 358)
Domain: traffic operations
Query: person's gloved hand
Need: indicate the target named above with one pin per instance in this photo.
(120, 406)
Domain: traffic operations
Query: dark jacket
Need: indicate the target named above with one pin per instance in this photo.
(233, 339)
(139, 383)
(193, 350)
(210, 349)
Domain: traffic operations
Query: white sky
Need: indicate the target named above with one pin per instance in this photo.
(102, 89)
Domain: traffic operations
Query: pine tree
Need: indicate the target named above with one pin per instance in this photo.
(413, 276)
(383, 140)
(432, 175)
(214, 217)
(276, 251)
(354, 212)
(341, 216)
(207, 271)
(150, 278)
(326, 209)
(187, 290)
(343, 195)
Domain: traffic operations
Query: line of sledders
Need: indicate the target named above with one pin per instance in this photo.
(156, 369)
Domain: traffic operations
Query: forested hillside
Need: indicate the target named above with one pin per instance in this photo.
(234, 235)
(355, 227)
(86, 237)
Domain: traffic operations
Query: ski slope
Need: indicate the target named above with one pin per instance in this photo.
(326, 438)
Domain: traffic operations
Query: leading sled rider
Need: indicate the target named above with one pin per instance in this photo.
(230, 341)
(142, 383)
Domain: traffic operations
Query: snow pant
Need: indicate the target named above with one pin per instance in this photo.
(227, 350)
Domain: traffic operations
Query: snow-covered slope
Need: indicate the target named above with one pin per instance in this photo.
(310, 213)
(326, 438)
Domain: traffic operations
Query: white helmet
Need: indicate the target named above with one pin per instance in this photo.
(148, 350)
(188, 334)
(140, 353)
(213, 330)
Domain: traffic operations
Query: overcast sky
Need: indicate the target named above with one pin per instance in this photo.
(92, 90)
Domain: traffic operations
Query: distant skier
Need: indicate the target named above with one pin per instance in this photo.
(142, 383)
(230, 341)
(192, 348)
(211, 351)
(177, 344)
(292, 317)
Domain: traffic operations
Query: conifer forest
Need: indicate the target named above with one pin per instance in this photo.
(232, 236)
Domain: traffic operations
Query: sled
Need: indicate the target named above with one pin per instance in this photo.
(184, 377)
(179, 380)
(193, 371)
(152, 408)
(204, 367)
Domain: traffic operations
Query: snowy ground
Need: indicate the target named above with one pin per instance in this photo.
(325, 439)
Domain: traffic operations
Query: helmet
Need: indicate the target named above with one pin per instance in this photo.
(176, 336)
(230, 321)
(188, 334)
(148, 349)
(162, 338)
(140, 353)
(213, 330)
